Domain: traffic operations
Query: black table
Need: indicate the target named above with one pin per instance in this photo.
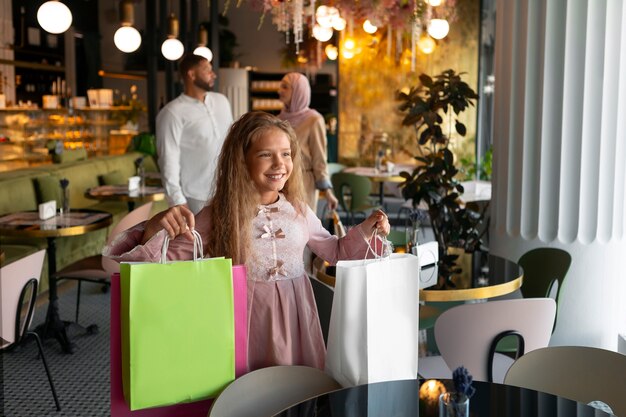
(75, 223)
(485, 276)
(406, 399)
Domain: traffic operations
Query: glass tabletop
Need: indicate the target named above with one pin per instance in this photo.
(484, 275)
(76, 222)
(420, 398)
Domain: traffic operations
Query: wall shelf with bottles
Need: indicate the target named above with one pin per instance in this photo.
(28, 136)
(264, 91)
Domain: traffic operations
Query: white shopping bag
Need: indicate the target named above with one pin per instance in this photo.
(373, 332)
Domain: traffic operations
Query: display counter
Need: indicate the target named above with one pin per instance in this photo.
(30, 137)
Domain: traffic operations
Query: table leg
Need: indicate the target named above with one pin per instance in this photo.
(53, 325)
(131, 206)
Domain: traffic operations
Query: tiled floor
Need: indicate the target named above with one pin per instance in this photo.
(81, 379)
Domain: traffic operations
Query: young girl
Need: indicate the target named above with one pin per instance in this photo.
(258, 217)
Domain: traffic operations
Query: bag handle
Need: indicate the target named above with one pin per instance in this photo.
(386, 248)
(197, 247)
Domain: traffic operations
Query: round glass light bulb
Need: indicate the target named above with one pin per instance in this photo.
(369, 28)
(172, 49)
(438, 28)
(339, 24)
(204, 52)
(322, 34)
(435, 3)
(127, 39)
(334, 15)
(347, 53)
(331, 52)
(322, 17)
(54, 17)
(426, 44)
(349, 44)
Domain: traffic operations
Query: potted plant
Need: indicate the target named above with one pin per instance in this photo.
(434, 179)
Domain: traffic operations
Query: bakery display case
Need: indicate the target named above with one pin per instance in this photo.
(31, 136)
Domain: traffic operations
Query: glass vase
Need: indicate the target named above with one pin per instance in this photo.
(453, 404)
(65, 200)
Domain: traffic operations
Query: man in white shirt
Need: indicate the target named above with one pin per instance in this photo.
(190, 131)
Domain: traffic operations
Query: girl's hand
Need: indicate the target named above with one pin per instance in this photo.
(377, 221)
(177, 220)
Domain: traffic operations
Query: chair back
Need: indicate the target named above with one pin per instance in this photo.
(544, 268)
(18, 291)
(334, 167)
(356, 186)
(138, 215)
(584, 374)
(324, 295)
(465, 334)
(267, 391)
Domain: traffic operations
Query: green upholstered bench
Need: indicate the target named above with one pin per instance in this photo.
(25, 189)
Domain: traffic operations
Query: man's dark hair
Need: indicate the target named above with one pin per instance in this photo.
(187, 62)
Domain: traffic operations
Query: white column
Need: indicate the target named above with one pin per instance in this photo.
(560, 153)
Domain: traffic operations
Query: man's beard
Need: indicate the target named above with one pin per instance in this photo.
(206, 86)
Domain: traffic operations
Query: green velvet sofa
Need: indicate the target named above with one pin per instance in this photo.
(25, 189)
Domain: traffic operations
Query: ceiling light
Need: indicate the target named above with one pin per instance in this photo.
(127, 38)
(426, 44)
(203, 40)
(438, 28)
(322, 34)
(369, 28)
(54, 17)
(339, 24)
(326, 16)
(172, 48)
(331, 52)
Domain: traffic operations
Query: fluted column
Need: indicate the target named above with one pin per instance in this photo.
(560, 153)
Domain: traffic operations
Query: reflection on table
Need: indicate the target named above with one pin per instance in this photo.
(122, 193)
(77, 222)
(407, 399)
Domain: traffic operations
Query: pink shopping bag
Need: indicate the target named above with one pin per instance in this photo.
(119, 407)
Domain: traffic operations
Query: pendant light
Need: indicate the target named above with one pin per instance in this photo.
(438, 28)
(127, 38)
(54, 17)
(203, 40)
(172, 48)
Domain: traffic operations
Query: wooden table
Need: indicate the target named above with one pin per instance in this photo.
(121, 193)
(75, 223)
(378, 177)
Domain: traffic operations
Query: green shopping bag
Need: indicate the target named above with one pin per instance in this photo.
(177, 330)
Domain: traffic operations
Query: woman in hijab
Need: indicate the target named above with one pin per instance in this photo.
(295, 93)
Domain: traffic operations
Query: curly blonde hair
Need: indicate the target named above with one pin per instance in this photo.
(236, 199)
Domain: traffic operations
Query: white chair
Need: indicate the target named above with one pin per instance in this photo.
(18, 290)
(267, 391)
(584, 374)
(467, 336)
(98, 268)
